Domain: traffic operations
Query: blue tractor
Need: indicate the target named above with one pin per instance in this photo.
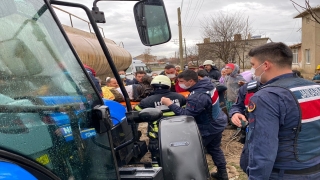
(53, 122)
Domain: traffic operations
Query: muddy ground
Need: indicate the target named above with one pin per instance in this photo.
(231, 148)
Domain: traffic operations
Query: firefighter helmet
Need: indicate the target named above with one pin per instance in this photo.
(161, 80)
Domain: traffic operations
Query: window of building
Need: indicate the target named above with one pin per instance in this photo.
(295, 56)
(307, 56)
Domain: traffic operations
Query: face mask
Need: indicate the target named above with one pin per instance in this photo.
(153, 77)
(253, 71)
(122, 76)
(171, 76)
(258, 78)
(183, 86)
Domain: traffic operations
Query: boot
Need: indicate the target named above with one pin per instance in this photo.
(220, 175)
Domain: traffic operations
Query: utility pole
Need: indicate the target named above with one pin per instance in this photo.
(180, 39)
(185, 50)
(175, 57)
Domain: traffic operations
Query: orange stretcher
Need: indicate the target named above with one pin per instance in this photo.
(185, 94)
(131, 102)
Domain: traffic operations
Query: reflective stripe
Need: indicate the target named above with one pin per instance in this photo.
(304, 87)
(251, 85)
(138, 108)
(309, 101)
(155, 128)
(151, 134)
(171, 113)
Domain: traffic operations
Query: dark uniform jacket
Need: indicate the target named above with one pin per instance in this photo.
(154, 101)
(199, 105)
(274, 118)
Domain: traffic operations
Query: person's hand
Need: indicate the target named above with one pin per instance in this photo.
(241, 83)
(236, 119)
(166, 101)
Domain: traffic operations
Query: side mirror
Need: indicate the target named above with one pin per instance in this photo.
(152, 22)
(98, 15)
(149, 115)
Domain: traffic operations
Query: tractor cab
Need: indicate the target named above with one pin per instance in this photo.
(53, 122)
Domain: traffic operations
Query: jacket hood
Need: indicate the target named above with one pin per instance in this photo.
(235, 71)
(202, 85)
(214, 68)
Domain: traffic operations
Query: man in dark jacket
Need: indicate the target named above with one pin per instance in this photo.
(170, 71)
(283, 136)
(161, 85)
(212, 70)
(137, 78)
(125, 81)
(203, 105)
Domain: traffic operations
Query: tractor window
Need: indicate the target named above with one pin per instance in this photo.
(46, 98)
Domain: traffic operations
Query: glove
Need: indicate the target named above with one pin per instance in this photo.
(153, 145)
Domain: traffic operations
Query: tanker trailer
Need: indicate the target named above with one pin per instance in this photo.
(91, 54)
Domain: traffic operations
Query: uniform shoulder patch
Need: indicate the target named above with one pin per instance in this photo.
(251, 106)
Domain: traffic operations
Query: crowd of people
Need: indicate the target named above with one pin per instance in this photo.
(276, 108)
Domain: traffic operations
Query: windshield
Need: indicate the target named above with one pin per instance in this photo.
(45, 96)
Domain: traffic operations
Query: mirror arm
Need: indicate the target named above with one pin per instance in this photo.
(102, 44)
(96, 1)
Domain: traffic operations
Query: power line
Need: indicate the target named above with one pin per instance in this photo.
(292, 29)
(194, 16)
(187, 11)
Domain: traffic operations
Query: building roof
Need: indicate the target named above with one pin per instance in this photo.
(306, 12)
(295, 45)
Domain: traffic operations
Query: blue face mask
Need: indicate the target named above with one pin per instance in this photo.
(122, 76)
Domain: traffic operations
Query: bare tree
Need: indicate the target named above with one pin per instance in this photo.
(146, 55)
(307, 8)
(243, 45)
(224, 31)
(192, 52)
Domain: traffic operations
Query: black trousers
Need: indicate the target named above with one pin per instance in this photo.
(212, 144)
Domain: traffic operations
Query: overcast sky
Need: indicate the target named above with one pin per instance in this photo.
(268, 18)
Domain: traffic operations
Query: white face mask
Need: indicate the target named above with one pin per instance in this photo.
(253, 71)
(258, 78)
(171, 75)
(183, 86)
(122, 76)
(153, 77)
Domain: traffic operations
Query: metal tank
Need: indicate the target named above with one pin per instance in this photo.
(91, 54)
